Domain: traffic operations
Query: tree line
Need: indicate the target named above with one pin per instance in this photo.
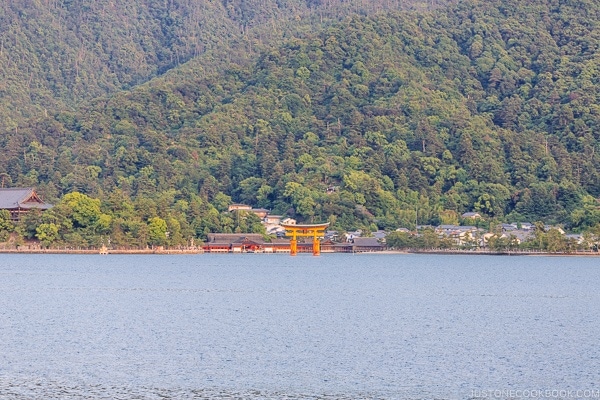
(81, 221)
(377, 121)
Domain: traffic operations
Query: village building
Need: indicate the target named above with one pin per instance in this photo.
(276, 230)
(558, 228)
(260, 212)
(473, 215)
(380, 235)
(521, 226)
(358, 245)
(509, 227)
(328, 245)
(350, 236)
(518, 236)
(425, 227)
(332, 235)
(234, 243)
(460, 235)
(280, 245)
(522, 235)
(236, 207)
(272, 219)
(576, 238)
(19, 201)
(527, 226)
(367, 244)
(449, 229)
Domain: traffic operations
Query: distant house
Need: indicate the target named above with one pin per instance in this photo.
(425, 227)
(450, 229)
(19, 201)
(234, 207)
(272, 219)
(575, 237)
(352, 235)
(522, 235)
(260, 212)
(380, 235)
(558, 228)
(332, 235)
(277, 230)
(368, 244)
(509, 227)
(460, 235)
(527, 226)
(473, 215)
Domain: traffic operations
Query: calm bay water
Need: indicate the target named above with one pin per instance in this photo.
(272, 326)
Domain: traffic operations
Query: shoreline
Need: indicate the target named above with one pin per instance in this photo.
(98, 251)
(384, 252)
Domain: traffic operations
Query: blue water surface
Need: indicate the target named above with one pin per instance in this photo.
(392, 326)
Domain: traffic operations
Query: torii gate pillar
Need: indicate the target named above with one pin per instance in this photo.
(313, 230)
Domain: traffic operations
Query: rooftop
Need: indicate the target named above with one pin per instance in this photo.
(11, 198)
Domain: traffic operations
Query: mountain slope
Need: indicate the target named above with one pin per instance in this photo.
(56, 54)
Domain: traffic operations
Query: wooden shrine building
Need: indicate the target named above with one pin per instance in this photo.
(19, 201)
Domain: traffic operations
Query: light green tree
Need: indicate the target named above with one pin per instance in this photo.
(85, 210)
(157, 231)
(47, 234)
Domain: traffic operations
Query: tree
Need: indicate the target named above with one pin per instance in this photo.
(588, 214)
(301, 198)
(555, 241)
(399, 240)
(429, 239)
(6, 225)
(28, 224)
(85, 211)
(157, 231)
(47, 234)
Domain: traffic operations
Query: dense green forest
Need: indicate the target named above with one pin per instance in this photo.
(56, 54)
(381, 119)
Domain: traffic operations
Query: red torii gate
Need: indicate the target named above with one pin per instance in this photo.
(305, 230)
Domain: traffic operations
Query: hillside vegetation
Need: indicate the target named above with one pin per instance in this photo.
(55, 54)
(480, 106)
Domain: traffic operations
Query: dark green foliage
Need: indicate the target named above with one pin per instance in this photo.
(6, 225)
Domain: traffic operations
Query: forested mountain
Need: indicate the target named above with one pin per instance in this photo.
(477, 106)
(54, 54)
